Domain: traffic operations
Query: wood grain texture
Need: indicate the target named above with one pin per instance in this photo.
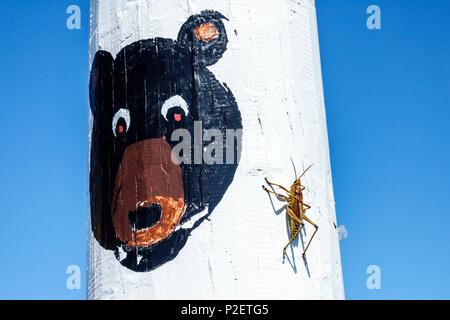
(272, 66)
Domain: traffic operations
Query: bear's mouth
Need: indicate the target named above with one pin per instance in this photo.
(145, 216)
(148, 194)
(154, 220)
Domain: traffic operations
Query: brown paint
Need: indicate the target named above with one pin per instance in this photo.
(173, 210)
(206, 32)
(145, 176)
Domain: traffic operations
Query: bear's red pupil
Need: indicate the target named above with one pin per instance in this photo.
(120, 129)
(177, 117)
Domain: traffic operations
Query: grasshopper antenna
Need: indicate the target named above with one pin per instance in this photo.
(295, 171)
(306, 170)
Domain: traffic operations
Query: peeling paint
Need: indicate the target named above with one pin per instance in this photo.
(272, 67)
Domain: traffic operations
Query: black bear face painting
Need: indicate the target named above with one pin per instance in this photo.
(155, 95)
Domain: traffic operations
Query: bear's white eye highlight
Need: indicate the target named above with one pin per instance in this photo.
(175, 101)
(122, 113)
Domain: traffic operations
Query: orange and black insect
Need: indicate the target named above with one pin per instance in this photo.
(295, 208)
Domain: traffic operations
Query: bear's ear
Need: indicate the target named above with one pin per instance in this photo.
(205, 33)
(101, 82)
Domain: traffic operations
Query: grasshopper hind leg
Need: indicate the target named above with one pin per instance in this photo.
(317, 228)
(292, 239)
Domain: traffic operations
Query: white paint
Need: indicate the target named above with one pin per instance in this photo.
(175, 101)
(272, 66)
(121, 113)
(342, 233)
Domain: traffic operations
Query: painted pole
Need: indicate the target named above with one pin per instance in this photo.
(192, 227)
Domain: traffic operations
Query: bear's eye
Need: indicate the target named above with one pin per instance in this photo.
(175, 109)
(121, 122)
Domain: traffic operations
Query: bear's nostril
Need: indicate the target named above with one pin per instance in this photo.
(145, 217)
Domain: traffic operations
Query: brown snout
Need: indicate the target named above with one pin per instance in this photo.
(146, 177)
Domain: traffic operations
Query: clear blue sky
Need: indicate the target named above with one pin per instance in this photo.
(387, 100)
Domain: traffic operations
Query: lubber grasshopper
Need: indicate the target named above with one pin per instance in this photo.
(295, 208)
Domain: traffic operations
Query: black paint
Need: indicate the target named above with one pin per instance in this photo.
(140, 79)
(147, 217)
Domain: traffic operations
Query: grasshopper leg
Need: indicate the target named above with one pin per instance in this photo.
(292, 215)
(277, 185)
(317, 228)
(280, 186)
(292, 239)
(277, 194)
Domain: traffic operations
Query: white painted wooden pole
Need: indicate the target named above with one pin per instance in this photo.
(272, 67)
